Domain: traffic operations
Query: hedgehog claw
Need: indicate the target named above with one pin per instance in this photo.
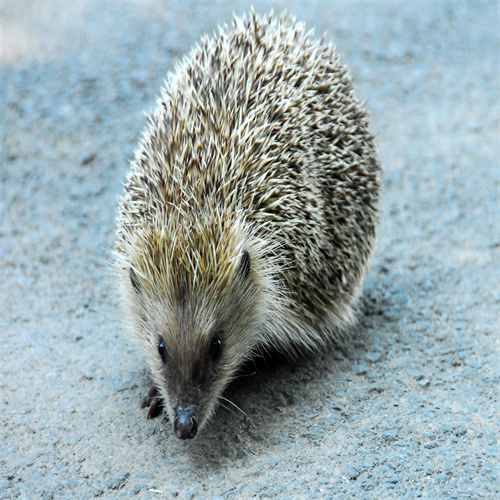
(154, 401)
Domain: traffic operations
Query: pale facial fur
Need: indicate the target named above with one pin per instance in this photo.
(195, 333)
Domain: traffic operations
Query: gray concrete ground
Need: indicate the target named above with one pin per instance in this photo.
(412, 410)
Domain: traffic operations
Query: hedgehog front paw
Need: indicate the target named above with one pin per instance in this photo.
(154, 401)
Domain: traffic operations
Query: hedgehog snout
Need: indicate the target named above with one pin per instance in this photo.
(185, 422)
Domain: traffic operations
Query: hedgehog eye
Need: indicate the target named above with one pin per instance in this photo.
(215, 348)
(162, 350)
(245, 264)
(134, 280)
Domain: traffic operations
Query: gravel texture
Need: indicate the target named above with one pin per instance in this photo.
(411, 410)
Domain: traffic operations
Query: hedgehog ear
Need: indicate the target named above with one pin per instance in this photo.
(245, 264)
(134, 280)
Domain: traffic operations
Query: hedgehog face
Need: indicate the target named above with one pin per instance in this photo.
(201, 346)
(196, 333)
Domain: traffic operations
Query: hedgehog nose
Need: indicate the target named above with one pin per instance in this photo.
(185, 424)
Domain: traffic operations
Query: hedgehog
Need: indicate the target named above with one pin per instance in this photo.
(249, 212)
